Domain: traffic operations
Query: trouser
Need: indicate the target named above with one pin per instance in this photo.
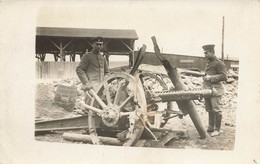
(212, 106)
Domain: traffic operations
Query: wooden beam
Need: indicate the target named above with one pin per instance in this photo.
(133, 55)
(106, 43)
(55, 55)
(139, 59)
(126, 45)
(55, 44)
(89, 43)
(67, 44)
(42, 57)
(73, 57)
(106, 52)
(87, 138)
(119, 53)
(62, 57)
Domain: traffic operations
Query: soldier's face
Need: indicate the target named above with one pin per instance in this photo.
(209, 55)
(98, 46)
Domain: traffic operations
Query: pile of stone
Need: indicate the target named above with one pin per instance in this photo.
(193, 82)
(232, 77)
(74, 83)
(229, 99)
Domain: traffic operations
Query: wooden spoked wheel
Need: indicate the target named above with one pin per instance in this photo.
(155, 111)
(120, 103)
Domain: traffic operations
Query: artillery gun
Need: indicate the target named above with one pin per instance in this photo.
(124, 107)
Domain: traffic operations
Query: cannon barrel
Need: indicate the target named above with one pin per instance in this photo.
(195, 94)
(186, 106)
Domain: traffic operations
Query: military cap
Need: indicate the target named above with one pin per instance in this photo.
(208, 47)
(97, 40)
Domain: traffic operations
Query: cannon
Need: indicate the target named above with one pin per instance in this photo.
(124, 107)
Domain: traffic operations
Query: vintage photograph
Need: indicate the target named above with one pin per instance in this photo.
(103, 82)
(120, 81)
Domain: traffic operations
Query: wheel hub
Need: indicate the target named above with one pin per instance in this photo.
(110, 116)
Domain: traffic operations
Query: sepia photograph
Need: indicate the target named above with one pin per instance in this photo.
(98, 86)
(151, 79)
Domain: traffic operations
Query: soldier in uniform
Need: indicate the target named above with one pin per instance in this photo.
(93, 66)
(215, 73)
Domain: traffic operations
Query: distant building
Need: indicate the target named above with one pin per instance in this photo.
(186, 61)
(62, 42)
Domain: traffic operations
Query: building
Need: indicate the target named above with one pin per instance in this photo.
(186, 61)
(61, 42)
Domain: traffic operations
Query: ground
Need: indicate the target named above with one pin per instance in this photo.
(46, 109)
(225, 141)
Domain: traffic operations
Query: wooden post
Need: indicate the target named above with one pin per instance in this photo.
(133, 53)
(139, 58)
(42, 56)
(55, 56)
(73, 57)
(62, 58)
(87, 138)
(222, 49)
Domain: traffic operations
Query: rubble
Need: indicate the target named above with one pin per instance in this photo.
(232, 74)
(46, 109)
(45, 106)
(229, 99)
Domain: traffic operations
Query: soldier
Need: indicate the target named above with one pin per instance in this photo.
(93, 66)
(215, 73)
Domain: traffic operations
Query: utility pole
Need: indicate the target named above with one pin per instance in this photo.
(222, 48)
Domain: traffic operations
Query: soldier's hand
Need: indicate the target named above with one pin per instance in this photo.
(206, 78)
(107, 74)
(86, 87)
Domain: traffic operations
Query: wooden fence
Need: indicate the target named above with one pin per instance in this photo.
(54, 70)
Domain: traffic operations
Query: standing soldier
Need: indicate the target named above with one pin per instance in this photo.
(215, 73)
(93, 66)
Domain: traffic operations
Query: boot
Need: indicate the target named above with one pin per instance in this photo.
(218, 122)
(211, 122)
(218, 125)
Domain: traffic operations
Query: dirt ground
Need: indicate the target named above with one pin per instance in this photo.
(45, 109)
(225, 141)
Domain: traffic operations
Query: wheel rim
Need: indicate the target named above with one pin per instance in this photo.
(123, 99)
(158, 84)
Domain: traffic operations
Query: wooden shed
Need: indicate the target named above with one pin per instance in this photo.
(77, 41)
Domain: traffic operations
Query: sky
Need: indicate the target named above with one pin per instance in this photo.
(180, 28)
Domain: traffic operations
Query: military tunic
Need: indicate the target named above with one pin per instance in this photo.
(217, 70)
(92, 67)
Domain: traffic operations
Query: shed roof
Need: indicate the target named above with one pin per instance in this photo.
(85, 32)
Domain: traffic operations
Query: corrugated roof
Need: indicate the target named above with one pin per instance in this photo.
(84, 32)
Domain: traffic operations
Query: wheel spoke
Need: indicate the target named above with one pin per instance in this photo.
(125, 113)
(125, 102)
(106, 89)
(103, 105)
(91, 107)
(153, 113)
(118, 92)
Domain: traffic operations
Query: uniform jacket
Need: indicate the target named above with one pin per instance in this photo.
(92, 67)
(217, 70)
